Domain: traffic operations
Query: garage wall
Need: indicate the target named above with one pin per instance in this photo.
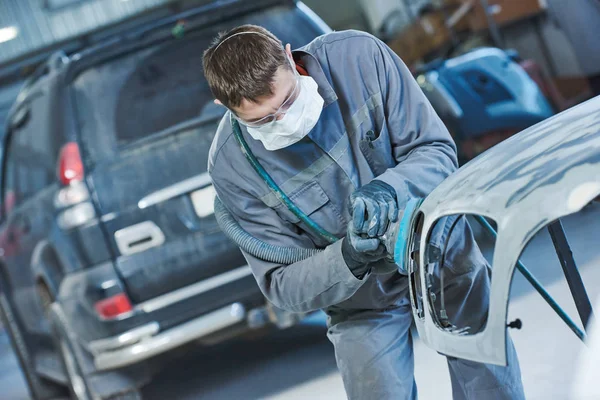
(361, 14)
(339, 14)
(42, 23)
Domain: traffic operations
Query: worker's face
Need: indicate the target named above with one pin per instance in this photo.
(268, 108)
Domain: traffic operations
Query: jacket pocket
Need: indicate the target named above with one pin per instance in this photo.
(375, 147)
(312, 200)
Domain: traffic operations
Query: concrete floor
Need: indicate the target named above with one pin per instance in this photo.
(299, 363)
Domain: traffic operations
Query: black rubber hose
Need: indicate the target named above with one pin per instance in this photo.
(254, 246)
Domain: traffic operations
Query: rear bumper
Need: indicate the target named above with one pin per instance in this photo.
(146, 341)
(211, 310)
(80, 291)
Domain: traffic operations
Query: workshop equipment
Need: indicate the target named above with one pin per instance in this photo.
(483, 97)
(397, 236)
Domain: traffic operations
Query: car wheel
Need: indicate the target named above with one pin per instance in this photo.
(39, 388)
(75, 361)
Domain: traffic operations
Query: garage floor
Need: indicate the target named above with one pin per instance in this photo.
(299, 363)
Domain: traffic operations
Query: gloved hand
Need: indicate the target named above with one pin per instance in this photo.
(359, 252)
(373, 207)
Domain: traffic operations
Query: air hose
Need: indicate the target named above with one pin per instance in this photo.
(283, 198)
(254, 246)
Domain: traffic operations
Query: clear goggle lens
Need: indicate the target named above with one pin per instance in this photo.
(271, 118)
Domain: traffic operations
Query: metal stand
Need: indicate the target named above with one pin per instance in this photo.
(538, 286)
(565, 256)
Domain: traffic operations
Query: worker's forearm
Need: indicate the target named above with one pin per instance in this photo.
(421, 172)
(315, 283)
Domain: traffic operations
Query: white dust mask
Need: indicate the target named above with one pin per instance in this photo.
(297, 122)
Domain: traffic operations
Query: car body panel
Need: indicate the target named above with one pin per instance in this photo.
(524, 183)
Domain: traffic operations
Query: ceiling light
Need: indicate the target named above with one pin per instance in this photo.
(8, 33)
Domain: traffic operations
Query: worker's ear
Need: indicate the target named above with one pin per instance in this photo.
(288, 50)
(217, 102)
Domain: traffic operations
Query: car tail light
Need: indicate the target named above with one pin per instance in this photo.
(113, 306)
(70, 166)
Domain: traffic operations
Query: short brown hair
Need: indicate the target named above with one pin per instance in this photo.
(242, 65)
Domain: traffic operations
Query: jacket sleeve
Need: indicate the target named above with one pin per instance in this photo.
(424, 151)
(317, 282)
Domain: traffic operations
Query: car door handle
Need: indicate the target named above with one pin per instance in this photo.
(139, 237)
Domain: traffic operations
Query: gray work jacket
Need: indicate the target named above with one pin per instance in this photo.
(376, 123)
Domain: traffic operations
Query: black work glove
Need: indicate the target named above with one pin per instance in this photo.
(373, 207)
(359, 251)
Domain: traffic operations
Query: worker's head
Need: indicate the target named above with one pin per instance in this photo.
(250, 72)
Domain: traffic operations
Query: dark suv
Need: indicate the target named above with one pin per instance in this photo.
(110, 252)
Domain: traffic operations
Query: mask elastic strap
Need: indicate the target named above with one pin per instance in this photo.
(292, 62)
(242, 33)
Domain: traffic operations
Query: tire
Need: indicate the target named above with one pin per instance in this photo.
(39, 388)
(78, 364)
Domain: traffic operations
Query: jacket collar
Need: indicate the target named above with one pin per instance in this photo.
(314, 69)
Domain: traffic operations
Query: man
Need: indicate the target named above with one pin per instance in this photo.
(579, 20)
(341, 126)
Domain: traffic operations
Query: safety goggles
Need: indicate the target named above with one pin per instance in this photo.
(283, 108)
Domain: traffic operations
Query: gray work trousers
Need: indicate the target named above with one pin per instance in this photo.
(374, 350)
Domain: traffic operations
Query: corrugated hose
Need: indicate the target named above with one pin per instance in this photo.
(254, 246)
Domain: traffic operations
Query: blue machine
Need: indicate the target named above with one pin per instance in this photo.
(483, 91)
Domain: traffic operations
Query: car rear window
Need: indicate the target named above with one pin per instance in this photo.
(137, 94)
